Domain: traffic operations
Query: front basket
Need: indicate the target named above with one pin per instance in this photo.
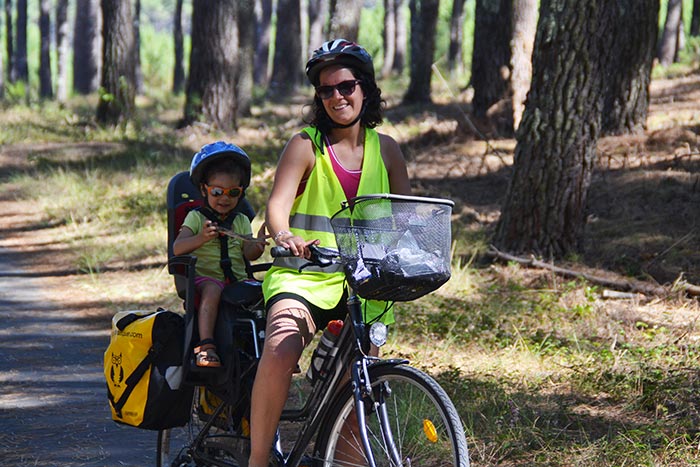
(393, 247)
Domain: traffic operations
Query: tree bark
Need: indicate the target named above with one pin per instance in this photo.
(318, 17)
(629, 74)
(424, 14)
(524, 28)
(455, 62)
(87, 46)
(246, 53)
(345, 19)
(211, 86)
(695, 19)
(137, 46)
(116, 104)
(179, 67)
(263, 13)
(62, 50)
(21, 72)
(544, 209)
(9, 42)
(669, 45)
(389, 34)
(287, 66)
(401, 36)
(45, 85)
(491, 56)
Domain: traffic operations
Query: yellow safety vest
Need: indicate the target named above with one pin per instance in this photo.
(310, 219)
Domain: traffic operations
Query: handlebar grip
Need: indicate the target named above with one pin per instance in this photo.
(281, 252)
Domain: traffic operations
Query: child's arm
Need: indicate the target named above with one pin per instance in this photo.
(253, 250)
(187, 241)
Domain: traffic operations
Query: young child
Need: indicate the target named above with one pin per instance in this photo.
(222, 173)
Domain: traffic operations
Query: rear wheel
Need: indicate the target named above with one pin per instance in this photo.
(225, 441)
(415, 423)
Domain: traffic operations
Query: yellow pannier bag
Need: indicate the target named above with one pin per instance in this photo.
(143, 369)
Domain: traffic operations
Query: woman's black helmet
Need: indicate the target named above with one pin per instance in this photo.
(217, 151)
(338, 52)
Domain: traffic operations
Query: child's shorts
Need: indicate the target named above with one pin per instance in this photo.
(198, 281)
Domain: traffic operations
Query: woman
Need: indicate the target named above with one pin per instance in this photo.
(337, 157)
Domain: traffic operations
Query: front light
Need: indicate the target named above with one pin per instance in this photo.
(377, 334)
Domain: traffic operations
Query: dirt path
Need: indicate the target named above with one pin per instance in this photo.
(53, 404)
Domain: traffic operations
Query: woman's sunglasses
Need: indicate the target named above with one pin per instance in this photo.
(216, 191)
(345, 88)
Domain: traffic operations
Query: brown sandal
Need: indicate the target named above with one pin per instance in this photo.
(205, 354)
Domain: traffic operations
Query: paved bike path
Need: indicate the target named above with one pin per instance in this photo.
(53, 403)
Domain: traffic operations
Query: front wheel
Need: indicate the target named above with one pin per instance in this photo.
(410, 421)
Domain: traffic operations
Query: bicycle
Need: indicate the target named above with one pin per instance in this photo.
(385, 413)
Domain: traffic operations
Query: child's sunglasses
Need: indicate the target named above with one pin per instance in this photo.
(216, 191)
(345, 88)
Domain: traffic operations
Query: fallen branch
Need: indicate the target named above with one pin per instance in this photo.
(622, 285)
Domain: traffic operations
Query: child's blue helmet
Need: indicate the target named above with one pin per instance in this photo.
(216, 151)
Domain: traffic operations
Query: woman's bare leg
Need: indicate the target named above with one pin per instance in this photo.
(289, 329)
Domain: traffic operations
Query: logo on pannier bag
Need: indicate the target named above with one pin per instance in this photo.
(116, 373)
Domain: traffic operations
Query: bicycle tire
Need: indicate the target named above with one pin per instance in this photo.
(424, 423)
(223, 444)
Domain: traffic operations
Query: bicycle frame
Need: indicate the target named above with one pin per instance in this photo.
(353, 349)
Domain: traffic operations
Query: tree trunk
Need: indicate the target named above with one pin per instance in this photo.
(544, 209)
(263, 13)
(491, 56)
(21, 72)
(286, 66)
(137, 46)
(318, 16)
(524, 27)
(455, 63)
(669, 45)
(9, 42)
(627, 101)
(87, 46)
(401, 36)
(389, 34)
(211, 86)
(118, 82)
(45, 86)
(62, 50)
(424, 14)
(179, 67)
(345, 19)
(246, 53)
(695, 19)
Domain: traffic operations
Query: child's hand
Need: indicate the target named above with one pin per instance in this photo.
(262, 238)
(209, 231)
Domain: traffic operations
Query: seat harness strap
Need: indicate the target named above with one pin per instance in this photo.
(225, 261)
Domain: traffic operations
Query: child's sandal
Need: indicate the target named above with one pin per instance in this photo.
(205, 354)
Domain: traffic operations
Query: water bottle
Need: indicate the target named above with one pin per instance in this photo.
(326, 349)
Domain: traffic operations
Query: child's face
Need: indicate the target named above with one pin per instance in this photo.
(223, 185)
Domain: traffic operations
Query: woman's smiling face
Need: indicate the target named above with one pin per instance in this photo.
(341, 109)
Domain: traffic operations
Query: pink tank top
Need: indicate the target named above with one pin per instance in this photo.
(349, 179)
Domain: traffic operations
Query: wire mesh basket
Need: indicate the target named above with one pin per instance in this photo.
(394, 247)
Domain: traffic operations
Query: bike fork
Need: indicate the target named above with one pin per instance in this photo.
(362, 387)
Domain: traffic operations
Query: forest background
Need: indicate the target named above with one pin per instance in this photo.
(585, 357)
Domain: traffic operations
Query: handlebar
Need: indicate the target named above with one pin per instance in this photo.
(320, 256)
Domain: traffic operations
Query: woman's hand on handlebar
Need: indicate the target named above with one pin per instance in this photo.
(298, 246)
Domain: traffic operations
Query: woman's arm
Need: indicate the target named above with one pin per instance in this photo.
(295, 164)
(395, 165)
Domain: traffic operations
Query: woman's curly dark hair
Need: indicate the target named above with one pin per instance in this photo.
(373, 106)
